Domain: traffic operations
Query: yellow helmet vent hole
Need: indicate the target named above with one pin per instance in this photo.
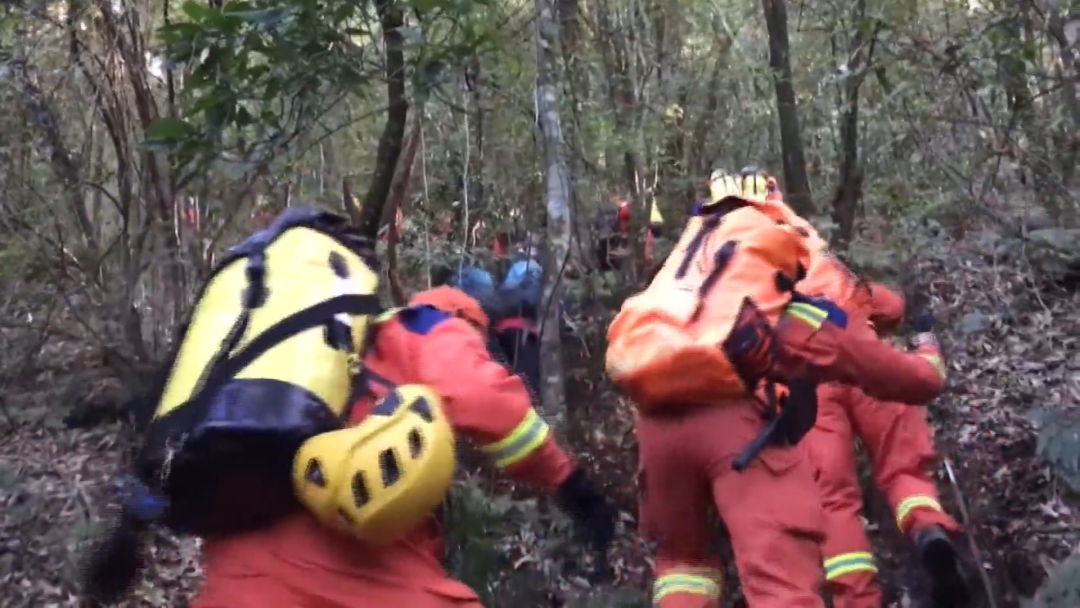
(387, 405)
(338, 265)
(360, 493)
(416, 443)
(389, 465)
(314, 474)
(423, 408)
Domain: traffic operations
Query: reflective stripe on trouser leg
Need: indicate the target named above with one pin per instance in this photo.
(909, 504)
(849, 563)
(692, 581)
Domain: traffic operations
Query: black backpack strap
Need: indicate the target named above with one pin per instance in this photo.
(300, 321)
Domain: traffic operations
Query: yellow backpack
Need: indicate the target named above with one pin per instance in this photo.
(251, 422)
(269, 360)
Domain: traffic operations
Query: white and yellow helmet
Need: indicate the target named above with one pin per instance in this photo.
(750, 185)
(381, 478)
(755, 182)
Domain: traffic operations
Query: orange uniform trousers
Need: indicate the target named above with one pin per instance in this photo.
(298, 563)
(771, 510)
(899, 442)
(320, 589)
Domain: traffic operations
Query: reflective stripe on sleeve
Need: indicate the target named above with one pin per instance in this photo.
(525, 439)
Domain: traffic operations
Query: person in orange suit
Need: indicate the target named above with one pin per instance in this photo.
(897, 438)
(771, 508)
(614, 229)
(436, 341)
(900, 445)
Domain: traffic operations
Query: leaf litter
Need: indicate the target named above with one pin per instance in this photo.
(1013, 372)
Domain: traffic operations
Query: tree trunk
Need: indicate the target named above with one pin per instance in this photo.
(474, 103)
(399, 190)
(392, 18)
(553, 384)
(859, 60)
(619, 52)
(795, 179)
(697, 159)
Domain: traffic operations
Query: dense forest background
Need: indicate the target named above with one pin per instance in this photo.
(936, 142)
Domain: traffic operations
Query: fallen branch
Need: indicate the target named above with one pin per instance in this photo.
(966, 521)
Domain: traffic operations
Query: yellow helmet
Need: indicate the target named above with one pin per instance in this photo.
(673, 113)
(723, 186)
(754, 182)
(381, 478)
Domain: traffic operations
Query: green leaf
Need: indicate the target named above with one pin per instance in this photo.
(425, 6)
(426, 79)
(175, 33)
(197, 11)
(266, 17)
(169, 130)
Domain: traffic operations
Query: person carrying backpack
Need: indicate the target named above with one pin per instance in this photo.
(612, 229)
(311, 447)
(512, 306)
(898, 439)
(721, 356)
(515, 336)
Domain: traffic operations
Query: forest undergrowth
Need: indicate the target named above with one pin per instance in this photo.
(1014, 362)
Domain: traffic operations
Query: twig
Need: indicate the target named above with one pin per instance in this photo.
(465, 191)
(427, 202)
(971, 538)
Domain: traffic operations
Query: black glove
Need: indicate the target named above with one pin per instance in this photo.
(115, 562)
(924, 322)
(589, 509)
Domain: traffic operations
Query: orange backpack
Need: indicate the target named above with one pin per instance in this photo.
(700, 332)
(826, 275)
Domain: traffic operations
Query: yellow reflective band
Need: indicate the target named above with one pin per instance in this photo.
(684, 583)
(937, 362)
(849, 563)
(807, 313)
(524, 440)
(909, 504)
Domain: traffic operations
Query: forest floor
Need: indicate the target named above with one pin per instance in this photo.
(1012, 352)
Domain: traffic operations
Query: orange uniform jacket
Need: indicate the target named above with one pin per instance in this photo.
(484, 403)
(851, 353)
(820, 341)
(828, 277)
(886, 308)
